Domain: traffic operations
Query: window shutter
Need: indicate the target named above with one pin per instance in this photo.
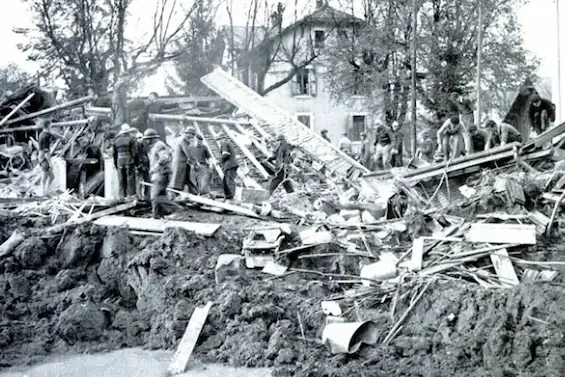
(313, 82)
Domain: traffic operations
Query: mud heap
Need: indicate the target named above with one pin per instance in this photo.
(93, 289)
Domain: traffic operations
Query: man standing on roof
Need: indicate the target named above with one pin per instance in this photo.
(182, 163)
(282, 158)
(160, 170)
(541, 113)
(229, 166)
(383, 145)
(344, 144)
(125, 160)
(501, 134)
(325, 136)
(200, 165)
(46, 138)
(449, 136)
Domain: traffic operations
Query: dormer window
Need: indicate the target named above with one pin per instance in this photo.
(319, 38)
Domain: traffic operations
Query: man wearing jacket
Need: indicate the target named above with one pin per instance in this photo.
(200, 165)
(229, 166)
(182, 163)
(125, 160)
(383, 146)
(397, 145)
(282, 159)
(160, 170)
(46, 138)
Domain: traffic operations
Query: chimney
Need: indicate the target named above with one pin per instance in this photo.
(319, 4)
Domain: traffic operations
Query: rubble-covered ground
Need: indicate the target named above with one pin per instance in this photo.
(94, 289)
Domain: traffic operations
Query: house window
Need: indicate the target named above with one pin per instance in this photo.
(319, 38)
(357, 126)
(305, 119)
(304, 82)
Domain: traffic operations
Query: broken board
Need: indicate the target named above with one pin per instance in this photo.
(504, 269)
(502, 233)
(189, 339)
(155, 225)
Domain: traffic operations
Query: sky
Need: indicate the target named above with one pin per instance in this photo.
(538, 19)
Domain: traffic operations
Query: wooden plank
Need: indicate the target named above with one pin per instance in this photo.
(417, 254)
(504, 269)
(246, 152)
(53, 109)
(189, 339)
(262, 148)
(15, 109)
(502, 233)
(156, 225)
(211, 203)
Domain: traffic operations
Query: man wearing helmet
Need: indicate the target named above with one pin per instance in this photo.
(229, 166)
(183, 160)
(449, 138)
(160, 170)
(125, 160)
(541, 113)
(282, 159)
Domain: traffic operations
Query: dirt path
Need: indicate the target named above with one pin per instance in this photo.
(124, 363)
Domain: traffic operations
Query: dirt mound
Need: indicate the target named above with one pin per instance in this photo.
(93, 289)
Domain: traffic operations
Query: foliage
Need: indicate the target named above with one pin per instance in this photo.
(376, 61)
(202, 48)
(12, 78)
(85, 43)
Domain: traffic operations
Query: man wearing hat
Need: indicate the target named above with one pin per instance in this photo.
(282, 159)
(159, 172)
(200, 165)
(449, 138)
(125, 160)
(182, 163)
(229, 165)
(325, 136)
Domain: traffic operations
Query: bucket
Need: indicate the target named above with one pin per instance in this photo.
(347, 337)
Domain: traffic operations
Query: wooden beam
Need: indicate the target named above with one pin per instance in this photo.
(260, 146)
(504, 268)
(192, 119)
(211, 203)
(205, 142)
(15, 109)
(53, 109)
(246, 152)
(157, 226)
(502, 233)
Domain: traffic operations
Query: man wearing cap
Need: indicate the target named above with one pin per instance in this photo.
(541, 113)
(159, 171)
(229, 166)
(397, 145)
(125, 160)
(383, 146)
(365, 153)
(450, 135)
(325, 136)
(282, 159)
(200, 165)
(46, 138)
(501, 134)
(182, 163)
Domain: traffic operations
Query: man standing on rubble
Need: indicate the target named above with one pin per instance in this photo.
(383, 146)
(200, 166)
(160, 170)
(142, 167)
(501, 134)
(397, 145)
(365, 155)
(541, 113)
(120, 102)
(183, 161)
(155, 106)
(45, 140)
(125, 160)
(449, 138)
(344, 144)
(282, 159)
(229, 166)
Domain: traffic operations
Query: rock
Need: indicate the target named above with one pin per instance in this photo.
(158, 264)
(30, 252)
(81, 322)
(227, 265)
(19, 286)
(116, 243)
(231, 305)
(67, 279)
(183, 311)
(285, 356)
(77, 248)
(111, 271)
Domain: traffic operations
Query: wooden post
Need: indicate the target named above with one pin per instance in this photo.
(414, 98)
(20, 105)
(479, 50)
(53, 109)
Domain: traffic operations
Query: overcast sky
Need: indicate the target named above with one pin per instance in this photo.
(538, 20)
